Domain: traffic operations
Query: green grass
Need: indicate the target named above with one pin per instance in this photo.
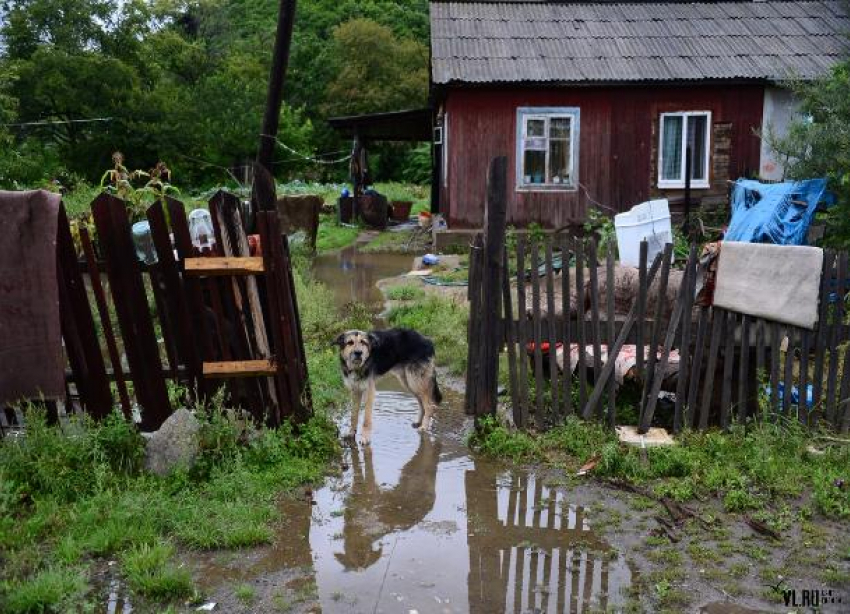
(444, 321)
(52, 589)
(245, 593)
(405, 293)
(390, 242)
(73, 495)
(764, 466)
(332, 236)
(151, 572)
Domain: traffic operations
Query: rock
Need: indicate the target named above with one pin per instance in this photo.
(175, 445)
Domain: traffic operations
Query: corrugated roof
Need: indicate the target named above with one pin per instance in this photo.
(518, 42)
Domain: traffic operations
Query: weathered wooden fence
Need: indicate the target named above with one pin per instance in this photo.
(202, 322)
(718, 366)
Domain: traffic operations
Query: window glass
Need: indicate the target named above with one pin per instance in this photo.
(546, 150)
(559, 161)
(697, 133)
(535, 127)
(671, 148)
(535, 166)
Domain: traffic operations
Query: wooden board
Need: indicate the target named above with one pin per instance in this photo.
(236, 265)
(240, 368)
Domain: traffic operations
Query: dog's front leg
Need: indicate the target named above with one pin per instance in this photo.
(356, 397)
(366, 437)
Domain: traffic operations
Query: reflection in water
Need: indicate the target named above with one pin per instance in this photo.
(371, 513)
(530, 550)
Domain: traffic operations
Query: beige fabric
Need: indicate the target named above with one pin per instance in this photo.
(775, 282)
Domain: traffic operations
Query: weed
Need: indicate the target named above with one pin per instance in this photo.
(444, 321)
(245, 593)
(51, 589)
(405, 293)
(151, 572)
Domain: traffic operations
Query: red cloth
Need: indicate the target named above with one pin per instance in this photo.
(31, 360)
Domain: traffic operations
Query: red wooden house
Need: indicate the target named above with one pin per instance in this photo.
(597, 104)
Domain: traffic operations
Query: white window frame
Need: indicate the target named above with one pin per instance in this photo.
(680, 183)
(547, 113)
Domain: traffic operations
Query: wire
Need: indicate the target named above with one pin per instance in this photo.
(303, 156)
(596, 202)
(58, 122)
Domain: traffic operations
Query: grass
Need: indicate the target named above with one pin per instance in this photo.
(333, 236)
(761, 466)
(444, 321)
(391, 242)
(151, 572)
(73, 495)
(405, 293)
(245, 593)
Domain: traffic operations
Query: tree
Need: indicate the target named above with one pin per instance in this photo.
(375, 70)
(818, 144)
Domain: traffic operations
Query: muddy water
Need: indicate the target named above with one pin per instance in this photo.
(352, 275)
(415, 523)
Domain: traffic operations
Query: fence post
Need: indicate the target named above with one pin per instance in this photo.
(494, 245)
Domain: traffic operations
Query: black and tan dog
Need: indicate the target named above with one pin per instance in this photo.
(409, 356)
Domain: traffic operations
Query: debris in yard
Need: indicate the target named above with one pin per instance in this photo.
(589, 465)
(760, 527)
(207, 607)
(666, 529)
(654, 437)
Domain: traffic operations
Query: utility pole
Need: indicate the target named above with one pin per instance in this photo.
(264, 189)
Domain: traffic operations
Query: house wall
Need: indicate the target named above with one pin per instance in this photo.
(618, 146)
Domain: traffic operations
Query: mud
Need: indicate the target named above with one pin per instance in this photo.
(414, 523)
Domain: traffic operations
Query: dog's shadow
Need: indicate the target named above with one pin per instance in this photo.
(371, 512)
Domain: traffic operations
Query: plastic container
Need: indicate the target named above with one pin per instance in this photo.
(648, 221)
(401, 210)
(201, 230)
(143, 242)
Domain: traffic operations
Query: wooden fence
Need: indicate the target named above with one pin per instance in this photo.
(717, 366)
(201, 322)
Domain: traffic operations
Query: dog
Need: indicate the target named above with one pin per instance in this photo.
(365, 356)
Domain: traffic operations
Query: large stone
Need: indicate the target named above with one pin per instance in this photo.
(175, 445)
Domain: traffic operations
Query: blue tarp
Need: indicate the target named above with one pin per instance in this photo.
(773, 212)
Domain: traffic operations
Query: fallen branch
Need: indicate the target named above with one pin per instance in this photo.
(760, 527)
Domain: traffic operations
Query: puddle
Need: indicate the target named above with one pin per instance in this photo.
(417, 524)
(352, 275)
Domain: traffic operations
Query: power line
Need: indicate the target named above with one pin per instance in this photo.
(303, 156)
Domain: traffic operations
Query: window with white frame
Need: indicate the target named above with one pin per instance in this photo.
(679, 132)
(547, 148)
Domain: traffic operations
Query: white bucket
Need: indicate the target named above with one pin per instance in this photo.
(649, 221)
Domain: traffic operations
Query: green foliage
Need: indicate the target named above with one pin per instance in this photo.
(405, 293)
(150, 572)
(50, 590)
(444, 321)
(818, 144)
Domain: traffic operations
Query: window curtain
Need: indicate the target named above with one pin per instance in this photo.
(671, 148)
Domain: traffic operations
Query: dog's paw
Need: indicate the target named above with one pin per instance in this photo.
(416, 425)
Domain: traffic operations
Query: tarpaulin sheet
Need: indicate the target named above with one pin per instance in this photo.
(31, 363)
(779, 213)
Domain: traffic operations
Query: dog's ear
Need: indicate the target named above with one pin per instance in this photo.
(374, 340)
(339, 341)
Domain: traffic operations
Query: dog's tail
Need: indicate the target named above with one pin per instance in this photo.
(435, 389)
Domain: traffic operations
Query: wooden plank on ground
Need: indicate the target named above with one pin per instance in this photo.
(240, 368)
(224, 265)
